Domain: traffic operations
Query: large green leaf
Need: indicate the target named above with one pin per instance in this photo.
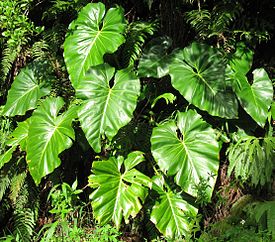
(198, 73)
(107, 107)
(154, 62)
(187, 149)
(19, 137)
(49, 135)
(170, 213)
(256, 99)
(90, 36)
(27, 88)
(120, 188)
(273, 110)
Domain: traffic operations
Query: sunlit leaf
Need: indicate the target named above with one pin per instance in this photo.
(168, 97)
(120, 188)
(256, 99)
(31, 84)
(188, 150)
(171, 213)
(94, 33)
(49, 135)
(109, 102)
(198, 73)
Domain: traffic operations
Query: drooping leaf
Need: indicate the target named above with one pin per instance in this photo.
(168, 97)
(94, 33)
(49, 135)
(256, 99)
(170, 213)
(120, 188)
(187, 149)
(198, 73)
(31, 84)
(155, 61)
(252, 159)
(19, 137)
(108, 106)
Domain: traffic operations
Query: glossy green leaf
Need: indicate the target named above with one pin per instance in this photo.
(198, 73)
(120, 188)
(155, 61)
(187, 149)
(168, 97)
(31, 84)
(49, 135)
(273, 110)
(94, 33)
(170, 213)
(19, 137)
(108, 106)
(256, 99)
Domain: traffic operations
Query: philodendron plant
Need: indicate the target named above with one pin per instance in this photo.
(185, 148)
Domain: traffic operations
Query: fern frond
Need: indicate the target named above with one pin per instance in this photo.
(55, 36)
(24, 223)
(39, 50)
(200, 21)
(252, 159)
(137, 34)
(60, 7)
(4, 185)
(267, 209)
(16, 184)
(5, 131)
(223, 16)
(9, 55)
(271, 219)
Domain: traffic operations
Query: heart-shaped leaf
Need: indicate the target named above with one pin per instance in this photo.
(187, 149)
(120, 188)
(170, 213)
(198, 73)
(256, 99)
(94, 33)
(109, 104)
(49, 135)
(27, 88)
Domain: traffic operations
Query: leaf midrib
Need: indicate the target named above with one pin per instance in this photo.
(88, 53)
(105, 111)
(118, 196)
(173, 213)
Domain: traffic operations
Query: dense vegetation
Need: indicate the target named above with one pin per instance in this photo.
(137, 120)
